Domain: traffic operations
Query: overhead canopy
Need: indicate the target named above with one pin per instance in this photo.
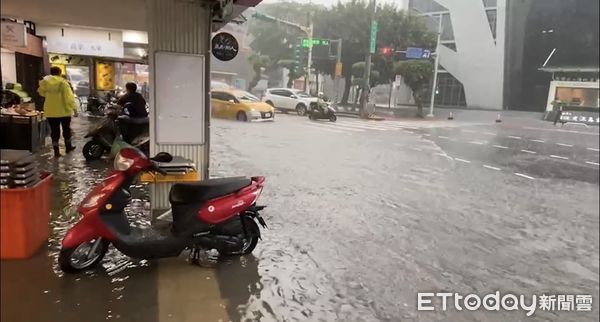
(108, 14)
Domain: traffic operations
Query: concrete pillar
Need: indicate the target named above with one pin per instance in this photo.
(179, 26)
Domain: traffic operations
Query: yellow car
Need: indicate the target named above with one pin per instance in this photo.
(239, 105)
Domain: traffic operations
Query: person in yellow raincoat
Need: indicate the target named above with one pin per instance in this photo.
(59, 106)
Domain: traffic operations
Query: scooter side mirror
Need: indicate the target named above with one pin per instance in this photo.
(162, 157)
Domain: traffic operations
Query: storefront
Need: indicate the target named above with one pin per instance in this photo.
(96, 61)
(578, 92)
(22, 58)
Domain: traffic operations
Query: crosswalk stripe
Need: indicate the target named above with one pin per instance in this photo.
(324, 128)
(358, 126)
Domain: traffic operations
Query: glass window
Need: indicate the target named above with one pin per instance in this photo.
(245, 96)
(491, 16)
(281, 92)
(585, 97)
(489, 3)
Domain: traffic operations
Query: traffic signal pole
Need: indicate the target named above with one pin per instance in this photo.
(309, 32)
(367, 75)
(435, 68)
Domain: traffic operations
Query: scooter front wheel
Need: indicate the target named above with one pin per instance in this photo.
(92, 150)
(332, 118)
(83, 256)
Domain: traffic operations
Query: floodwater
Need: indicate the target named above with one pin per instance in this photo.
(360, 221)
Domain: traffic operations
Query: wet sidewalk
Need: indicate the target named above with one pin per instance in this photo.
(122, 289)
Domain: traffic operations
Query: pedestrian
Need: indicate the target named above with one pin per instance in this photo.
(59, 106)
(133, 102)
(558, 113)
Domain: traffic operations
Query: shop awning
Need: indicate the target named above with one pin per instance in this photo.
(107, 14)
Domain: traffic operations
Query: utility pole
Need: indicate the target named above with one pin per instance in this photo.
(309, 32)
(435, 68)
(337, 66)
(367, 75)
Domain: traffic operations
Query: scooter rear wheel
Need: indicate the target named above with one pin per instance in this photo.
(249, 243)
(77, 259)
(92, 150)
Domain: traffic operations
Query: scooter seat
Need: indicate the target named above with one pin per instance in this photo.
(198, 192)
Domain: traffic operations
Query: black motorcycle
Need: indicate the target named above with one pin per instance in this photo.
(96, 105)
(319, 111)
(115, 125)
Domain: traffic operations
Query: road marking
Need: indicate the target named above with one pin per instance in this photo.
(593, 149)
(445, 155)
(524, 176)
(490, 167)
(527, 151)
(558, 157)
(592, 163)
(416, 149)
(559, 130)
(500, 147)
(343, 127)
(443, 137)
(563, 144)
(324, 128)
(468, 131)
(427, 134)
(462, 160)
(478, 142)
(489, 133)
(514, 137)
(360, 126)
(538, 141)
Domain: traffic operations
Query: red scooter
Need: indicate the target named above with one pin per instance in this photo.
(216, 214)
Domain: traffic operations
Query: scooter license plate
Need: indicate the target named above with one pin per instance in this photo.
(267, 115)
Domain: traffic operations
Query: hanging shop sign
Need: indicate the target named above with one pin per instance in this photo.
(105, 76)
(14, 34)
(224, 46)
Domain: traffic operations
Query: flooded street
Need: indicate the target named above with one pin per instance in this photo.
(362, 216)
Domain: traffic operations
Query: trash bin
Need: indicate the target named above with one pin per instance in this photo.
(25, 216)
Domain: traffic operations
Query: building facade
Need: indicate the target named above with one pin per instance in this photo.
(492, 51)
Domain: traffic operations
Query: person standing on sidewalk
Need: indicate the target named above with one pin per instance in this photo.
(59, 106)
(558, 105)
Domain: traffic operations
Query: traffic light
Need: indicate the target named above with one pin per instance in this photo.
(387, 52)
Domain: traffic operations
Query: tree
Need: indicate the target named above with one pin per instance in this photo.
(259, 64)
(349, 21)
(358, 72)
(293, 71)
(416, 75)
(277, 40)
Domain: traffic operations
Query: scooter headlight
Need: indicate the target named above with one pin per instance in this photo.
(122, 163)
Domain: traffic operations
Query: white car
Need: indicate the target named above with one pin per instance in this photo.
(286, 99)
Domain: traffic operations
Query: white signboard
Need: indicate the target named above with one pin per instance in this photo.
(14, 34)
(180, 92)
(81, 41)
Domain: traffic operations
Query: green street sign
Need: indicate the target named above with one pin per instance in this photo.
(315, 42)
(373, 47)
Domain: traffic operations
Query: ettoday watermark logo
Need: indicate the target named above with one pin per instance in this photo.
(508, 302)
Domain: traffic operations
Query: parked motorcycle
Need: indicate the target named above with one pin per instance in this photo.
(96, 105)
(320, 111)
(216, 214)
(116, 125)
